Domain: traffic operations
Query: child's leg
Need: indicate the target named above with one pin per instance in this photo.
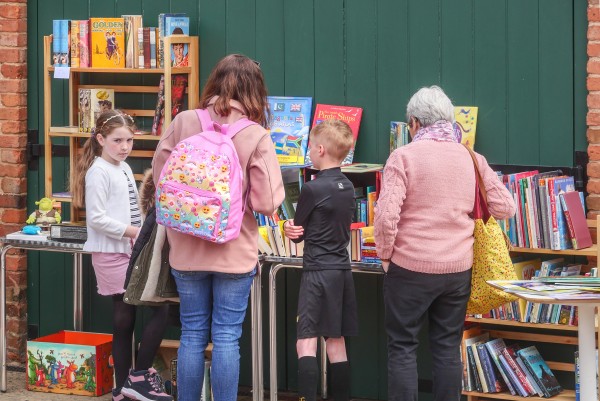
(339, 369)
(123, 325)
(308, 369)
(152, 337)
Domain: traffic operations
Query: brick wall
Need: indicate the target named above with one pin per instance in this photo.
(13, 167)
(593, 102)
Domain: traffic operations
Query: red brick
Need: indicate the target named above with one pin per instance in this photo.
(593, 170)
(12, 25)
(16, 263)
(13, 201)
(13, 99)
(593, 186)
(15, 156)
(14, 216)
(13, 85)
(593, 118)
(593, 49)
(13, 170)
(13, 39)
(593, 135)
(11, 185)
(13, 113)
(13, 11)
(17, 310)
(593, 66)
(594, 152)
(12, 141)
(593, 202)
(13, 127)
(13, 55)
(593, 14)
(14, 71)
(593, 100)
(7, 229)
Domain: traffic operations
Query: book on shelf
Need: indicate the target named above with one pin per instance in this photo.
(494, 348)
(178, 85)
(140, 46)
(92, 103)
(152, 39)
(576, 221)
(399, 135)
(178, 25)
(84, 43)
(349, 114)
(556, 186)
(290, 128)
(536, 389)
(107, 42)
(484, 382)
(132, 23)
(492, 377)
(60, 43)
(161, 34)
(147, 52)
(510, 355)
(466, 124)
(70, 129)
(74, 43)
(468, 333)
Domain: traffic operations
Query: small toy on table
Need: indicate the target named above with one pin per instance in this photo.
(32, 230)
(45, 215)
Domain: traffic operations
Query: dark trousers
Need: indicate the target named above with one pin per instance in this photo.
(410, 297)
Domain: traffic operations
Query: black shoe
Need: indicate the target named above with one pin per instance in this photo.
(117, 396)
(145, 385)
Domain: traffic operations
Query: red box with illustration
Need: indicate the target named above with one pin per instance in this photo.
(70, 362)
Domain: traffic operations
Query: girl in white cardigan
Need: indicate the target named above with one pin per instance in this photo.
(105, 185)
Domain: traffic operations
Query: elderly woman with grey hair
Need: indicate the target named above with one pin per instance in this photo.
(424, 237)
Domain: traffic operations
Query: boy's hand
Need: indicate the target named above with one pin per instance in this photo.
(291, 231)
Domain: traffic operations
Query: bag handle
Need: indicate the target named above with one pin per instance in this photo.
(480, 208)
(230, 130)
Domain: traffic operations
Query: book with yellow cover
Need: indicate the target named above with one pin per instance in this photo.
(107, 42)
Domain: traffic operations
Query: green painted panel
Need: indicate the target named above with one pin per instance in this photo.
(556, 83)
(329, 49)
(270, 51)
(361, 73)
(523, 84)
(424, 43)
(393, 90)
(212, 36)
(490, 79)
(299, 53)
(240, 27)
(580, 59)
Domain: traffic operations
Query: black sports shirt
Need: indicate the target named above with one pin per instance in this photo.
(325, 209)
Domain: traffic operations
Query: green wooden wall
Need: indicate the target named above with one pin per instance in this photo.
(521, 61)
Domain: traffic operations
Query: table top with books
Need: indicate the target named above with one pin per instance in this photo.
(572, 289)
(42, 240)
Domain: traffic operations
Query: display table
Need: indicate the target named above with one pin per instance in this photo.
(36, 244)
(278, 263)
(586, 332)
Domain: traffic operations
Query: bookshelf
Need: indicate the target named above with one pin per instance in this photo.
(561, 335)
(77, 78)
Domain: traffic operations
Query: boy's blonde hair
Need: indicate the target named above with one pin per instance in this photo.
(335, 136)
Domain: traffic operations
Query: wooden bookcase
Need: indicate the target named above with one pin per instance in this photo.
(77, 77)
(552, 333)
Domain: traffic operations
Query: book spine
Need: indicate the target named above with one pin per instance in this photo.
(494, 354)
(147, 50)
(517, 371)
(513, 377)
(130, 39)
(555, 237)
(488, 370)
(534, 377)
(64, 43)
(84, 43)
(474, 373)
(543, 194)
(159, 109)
(140, 38)
(480, 372)
(569, 221)
(160, 54)
(55, 43)
(74, 43)
(529, 377)
(152, 47)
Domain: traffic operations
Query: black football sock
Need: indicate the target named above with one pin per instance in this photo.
(340, 380)
(308, 378)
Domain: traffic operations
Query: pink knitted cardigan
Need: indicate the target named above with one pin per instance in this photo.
(422, 218)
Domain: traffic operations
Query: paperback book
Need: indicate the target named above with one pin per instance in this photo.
(179, 51)
(290, 128)
(540, 371)
(92, 103)
(466, 124)
(178, 84)
(107, 42)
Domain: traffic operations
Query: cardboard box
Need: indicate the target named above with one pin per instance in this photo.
(70, 362)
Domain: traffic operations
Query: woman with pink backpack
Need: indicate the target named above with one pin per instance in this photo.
(208, 208)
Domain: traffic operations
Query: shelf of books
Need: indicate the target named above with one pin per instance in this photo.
(77, 50)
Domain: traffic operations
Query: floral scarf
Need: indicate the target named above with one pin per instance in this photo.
(440, 131)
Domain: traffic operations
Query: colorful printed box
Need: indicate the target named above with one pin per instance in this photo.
(70, 362)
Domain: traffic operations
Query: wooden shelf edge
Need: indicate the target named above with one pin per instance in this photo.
(499, 322)
(179, 70)
(55, 132)
(591, 251)
(566, 395)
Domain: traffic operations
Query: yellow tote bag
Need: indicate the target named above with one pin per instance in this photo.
(491, 260)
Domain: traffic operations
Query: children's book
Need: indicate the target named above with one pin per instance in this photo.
(179, 51)
(60, 43)
(107, 42)
(92, 103)
(161, 34)
(466, 124)
(349, 114)
(575, 217)
(494, 348)
(558, 185)
(74, 43)
(132, 23)
(290, 122)
(399, 135)
(84, 43)
(178, 84)
(540, 371)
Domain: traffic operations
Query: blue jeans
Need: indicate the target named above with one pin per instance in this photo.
(215, 304)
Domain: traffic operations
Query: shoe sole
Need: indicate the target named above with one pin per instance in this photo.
(135, 395)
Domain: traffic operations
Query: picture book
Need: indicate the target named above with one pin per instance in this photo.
(179, 51)
(161, 34)
(178, 85)
(290, 121)
(93, 102)
(74, 43)
(399, 135)
(540, 371)
(84, 43)
(60, 43)
(466, 124)
(494, 348)
(349, 114)
(558, 185)
(575, 218)
(107, 42)
(132, 23)
(159, 110)
(510, 355)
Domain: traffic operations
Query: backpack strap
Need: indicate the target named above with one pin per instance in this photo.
(226, 129)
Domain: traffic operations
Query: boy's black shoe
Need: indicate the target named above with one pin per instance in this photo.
(117, 396)
(145, 385)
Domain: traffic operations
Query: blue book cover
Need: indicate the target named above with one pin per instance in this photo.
(56, 42)
(290, 126)
(540, 371)
(178, 25)
(562, 185)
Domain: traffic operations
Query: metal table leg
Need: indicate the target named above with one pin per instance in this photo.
(3, 333)
(78, 291)
(256, 327)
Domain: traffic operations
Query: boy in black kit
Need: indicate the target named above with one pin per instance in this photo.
(326, 303)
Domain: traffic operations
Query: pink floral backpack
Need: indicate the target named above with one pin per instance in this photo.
(199, 190)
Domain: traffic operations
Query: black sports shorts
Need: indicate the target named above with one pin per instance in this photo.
(327, 304)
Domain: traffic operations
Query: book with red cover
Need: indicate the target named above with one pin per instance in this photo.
(350, 115)
(178, 85)
(576, 222)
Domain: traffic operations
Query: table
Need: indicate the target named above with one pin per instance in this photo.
(278, 263)
(77, 251)
(586, 333)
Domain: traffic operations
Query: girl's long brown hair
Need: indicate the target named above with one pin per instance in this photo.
(105, 124)
(237, 77)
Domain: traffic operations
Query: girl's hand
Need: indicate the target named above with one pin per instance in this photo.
(291, 231)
